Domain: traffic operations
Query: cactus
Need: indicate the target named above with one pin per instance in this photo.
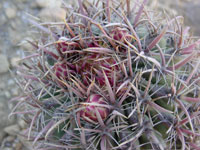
(112, 77)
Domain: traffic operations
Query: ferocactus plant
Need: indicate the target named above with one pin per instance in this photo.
(112, 76)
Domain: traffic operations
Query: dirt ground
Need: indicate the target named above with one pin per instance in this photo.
(14, 28)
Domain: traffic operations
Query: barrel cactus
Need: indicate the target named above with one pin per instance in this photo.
(112, 75)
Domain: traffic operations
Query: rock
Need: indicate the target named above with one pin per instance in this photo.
(51, 10)
(26, 45)
(10, 138)
(190, 11)
(4, 112)
(52, 14)
(7, 94)
(4, 67)
(14, 91)
(15, 61)
(12, 129)
(3, 19)
(14, 36)
(11, 12)
(2, 85)
(2, 134)
(11, 82)
(15, 24)
(47, 3)
(22, 123)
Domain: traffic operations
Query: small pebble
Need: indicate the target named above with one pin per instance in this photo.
(10, 138)
(4, 67)
(15, 61)
(52, 14)
(10, 12)
(12, 130)
(7, 94)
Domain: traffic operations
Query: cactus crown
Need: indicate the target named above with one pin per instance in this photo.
(112, 76)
